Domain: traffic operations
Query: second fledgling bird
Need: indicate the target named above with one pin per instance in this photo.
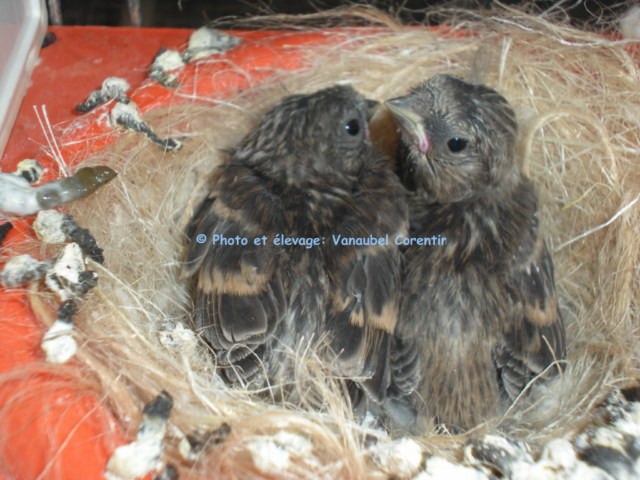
(480, 306)
(307, 171)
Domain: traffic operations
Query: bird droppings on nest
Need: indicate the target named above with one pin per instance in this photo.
(18, 197)
(27, 172)
(65, 275)
(438, 468)
(70, 281)
(55, 227)
(612, 442)
(558, 457)
(401, 458)
(178, 338)
(268, 456)
(144, 455)
(22, 269)
(166, 67)
(58, 343)
(112, 88)
(128, 116)
(197, 442)
(5, 228)
(497, 455)
(83, 237)
(275, 454)
(30, 170)
(609, 448)
(67, 278)
(48, 226)
(207, 41)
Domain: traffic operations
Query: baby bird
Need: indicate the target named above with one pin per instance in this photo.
(479, 305)
(306, 172)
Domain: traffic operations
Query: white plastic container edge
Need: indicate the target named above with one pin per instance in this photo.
(23, 24)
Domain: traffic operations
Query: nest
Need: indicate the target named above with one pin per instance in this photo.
(577, 100)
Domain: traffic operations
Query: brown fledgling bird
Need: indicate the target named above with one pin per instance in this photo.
(307, 172)
(479, 301)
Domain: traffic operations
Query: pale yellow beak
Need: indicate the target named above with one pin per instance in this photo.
(410, 121)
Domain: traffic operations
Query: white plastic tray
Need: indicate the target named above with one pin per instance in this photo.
(23, 24)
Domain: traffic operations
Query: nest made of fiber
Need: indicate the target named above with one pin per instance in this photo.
(577, 98)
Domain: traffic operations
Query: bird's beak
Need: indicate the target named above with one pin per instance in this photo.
(372, 108)
(409, 120)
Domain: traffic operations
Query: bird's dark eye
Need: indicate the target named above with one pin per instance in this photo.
(353, 127)
(457, 144)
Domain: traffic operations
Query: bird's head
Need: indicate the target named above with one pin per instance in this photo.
(324, 132)
(457, 139)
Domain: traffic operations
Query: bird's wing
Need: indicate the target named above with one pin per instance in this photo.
(240, 298)
(366, 281)
(536, 338)
(363, 315)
